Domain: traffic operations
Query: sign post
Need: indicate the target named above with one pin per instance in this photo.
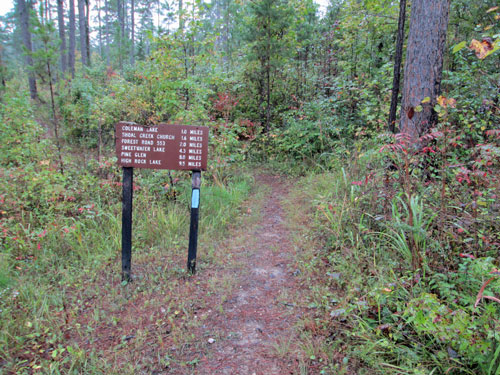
(193, 228)
(128, 182)
(176, 147)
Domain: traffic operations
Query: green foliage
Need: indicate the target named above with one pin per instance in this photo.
(21, 141)
(70, 234)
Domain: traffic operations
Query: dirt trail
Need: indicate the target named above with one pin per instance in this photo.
(238, 315)
(254, 331)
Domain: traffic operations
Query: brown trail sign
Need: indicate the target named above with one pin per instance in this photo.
(177, 147)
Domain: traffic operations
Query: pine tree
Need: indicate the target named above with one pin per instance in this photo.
(44, 60)
(266, 31)
(72, 37)
(24, 15)
(62, 34)
(82, 27)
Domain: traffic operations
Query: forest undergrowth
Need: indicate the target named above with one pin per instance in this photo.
(406, 273)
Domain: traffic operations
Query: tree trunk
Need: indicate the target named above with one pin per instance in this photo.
(132, 36)
(397, 65)
(47, 11)
(181, 17)
(24, 18)
(2, 69)
(126, 27)
(424, 65)
(119, 9)
(87, 30)
(72, 38)
(62, 34)
(56, 123)
(268, 96)
(106, 22)
(227, 54)
(100, 27)
(83, 31)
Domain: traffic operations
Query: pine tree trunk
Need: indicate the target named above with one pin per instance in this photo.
(268, 96)
(24, 17)
(47, 11)
(398, 58)
(424, 65)
(87, 30)
(132, 36)
(82, 28)
(106, 21)
(181, 17)
(119, 8)
(62, 34)
(54, 116)
(72, 38)
(2, 69)
(126, 27)
(100, 27)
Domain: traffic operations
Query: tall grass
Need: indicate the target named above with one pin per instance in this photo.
(71, 254)
(379, 279)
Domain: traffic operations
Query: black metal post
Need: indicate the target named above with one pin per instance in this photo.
(193, 228)
(128, 181)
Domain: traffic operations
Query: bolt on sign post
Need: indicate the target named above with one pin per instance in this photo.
(176, 147)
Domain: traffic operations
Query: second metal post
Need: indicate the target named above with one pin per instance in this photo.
(193, 228)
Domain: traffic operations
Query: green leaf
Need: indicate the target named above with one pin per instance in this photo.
(459, 46)
(418, 108)
(426, 100)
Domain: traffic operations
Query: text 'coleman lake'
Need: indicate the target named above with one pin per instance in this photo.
(162, 147)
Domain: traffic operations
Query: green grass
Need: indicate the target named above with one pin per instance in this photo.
(78, 260)
(357, 263)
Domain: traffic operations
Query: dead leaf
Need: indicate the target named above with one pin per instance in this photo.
(411, 113)
(481, 291)
(442, 101)
(481, 48)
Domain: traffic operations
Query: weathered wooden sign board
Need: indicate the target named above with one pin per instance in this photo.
(177, 147)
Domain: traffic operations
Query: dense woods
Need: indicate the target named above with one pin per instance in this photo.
(386, 113)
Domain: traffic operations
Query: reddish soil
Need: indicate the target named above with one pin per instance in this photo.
(256, 322)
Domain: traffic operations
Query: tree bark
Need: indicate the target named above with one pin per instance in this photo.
(398, 58)
(181, 17)
(106, 21)
(2, 68)
(72, 38)
(424, 65)
(87, 30)
(132, 36)
(119, 9)
(100, 27)
(25, 24)
(56, 122)
(62, 34)
(46, 11)
(83, 31)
